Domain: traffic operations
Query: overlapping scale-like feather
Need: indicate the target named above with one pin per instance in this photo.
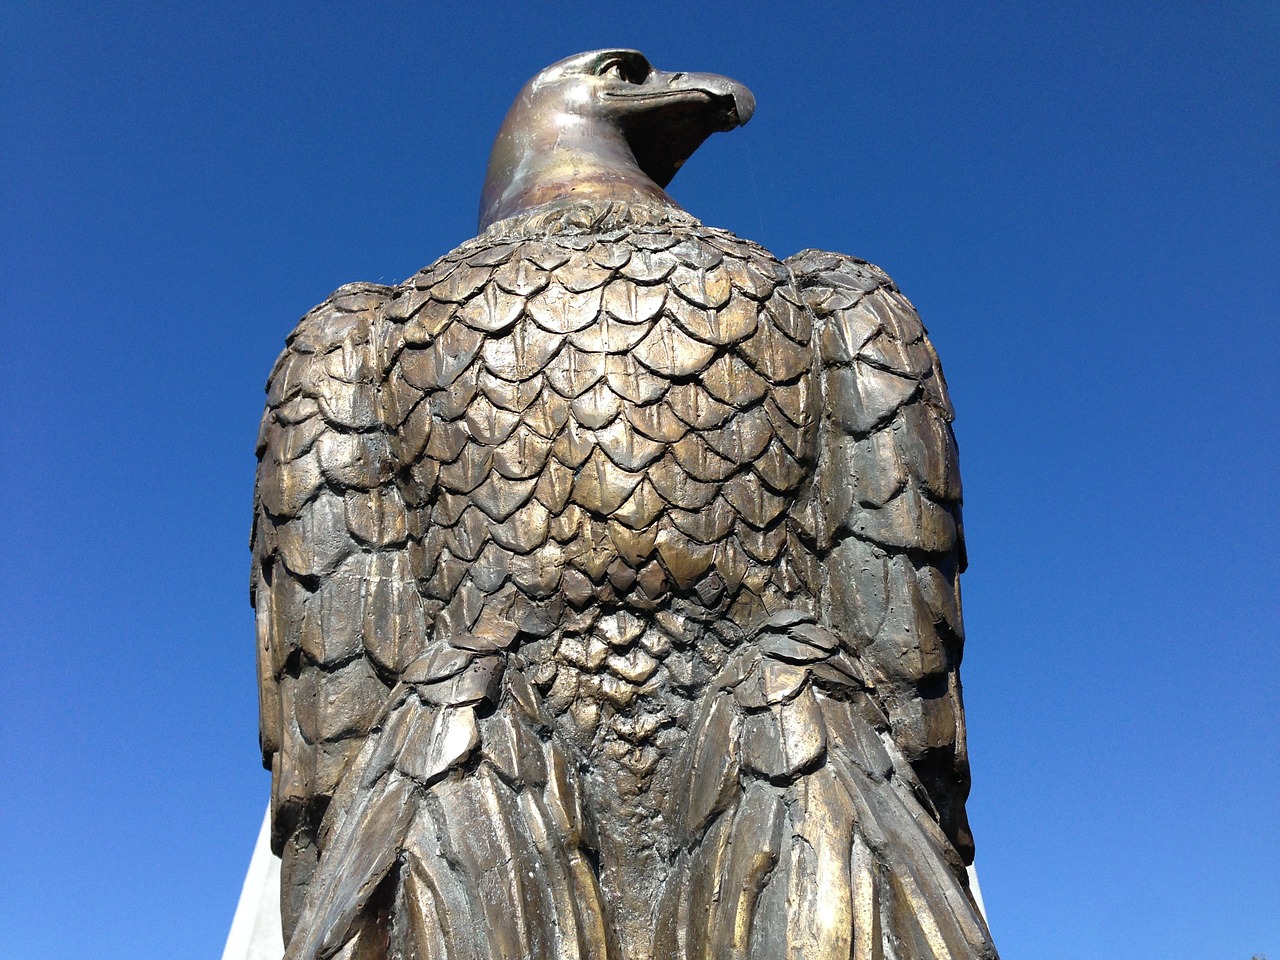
(609, 419)
(593, 430)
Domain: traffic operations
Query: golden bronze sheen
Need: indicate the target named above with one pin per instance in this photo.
(606, 579)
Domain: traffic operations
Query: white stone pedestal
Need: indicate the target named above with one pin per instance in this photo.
(255, 929)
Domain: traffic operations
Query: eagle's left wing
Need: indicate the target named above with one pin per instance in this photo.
(404, 754)
(818, 805)
(338, 613)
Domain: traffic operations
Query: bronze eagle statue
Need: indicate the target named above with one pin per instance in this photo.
(606, 579)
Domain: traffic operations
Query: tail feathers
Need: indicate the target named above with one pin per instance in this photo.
(919, 897)
(746, 868)
(808, 836)
(368, 819)
(813, 893)
(453, 837)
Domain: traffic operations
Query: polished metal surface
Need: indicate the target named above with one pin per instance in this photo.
(606, 577)
(604, 125)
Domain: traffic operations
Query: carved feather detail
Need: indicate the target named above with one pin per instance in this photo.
(607, 594)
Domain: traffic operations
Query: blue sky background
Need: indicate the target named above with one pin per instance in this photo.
(1083, 200)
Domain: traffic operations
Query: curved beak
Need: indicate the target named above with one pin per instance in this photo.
(668, 116)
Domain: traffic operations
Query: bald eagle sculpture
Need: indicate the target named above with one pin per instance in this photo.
(606, 579)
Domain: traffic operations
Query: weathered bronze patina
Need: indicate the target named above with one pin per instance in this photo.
(606, 578)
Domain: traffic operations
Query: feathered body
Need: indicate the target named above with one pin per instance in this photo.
(606, 575)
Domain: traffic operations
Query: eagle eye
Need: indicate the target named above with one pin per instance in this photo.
(620, 70)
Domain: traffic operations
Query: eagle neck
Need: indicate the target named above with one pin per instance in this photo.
(574, 160)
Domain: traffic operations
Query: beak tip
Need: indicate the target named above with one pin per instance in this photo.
(744, 104)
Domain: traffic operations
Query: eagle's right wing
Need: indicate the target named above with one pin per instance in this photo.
(888, 516)
(819, 800)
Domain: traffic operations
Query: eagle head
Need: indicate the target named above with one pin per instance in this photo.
(604, 125)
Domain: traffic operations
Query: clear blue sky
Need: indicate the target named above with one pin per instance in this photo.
(1083, 201)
